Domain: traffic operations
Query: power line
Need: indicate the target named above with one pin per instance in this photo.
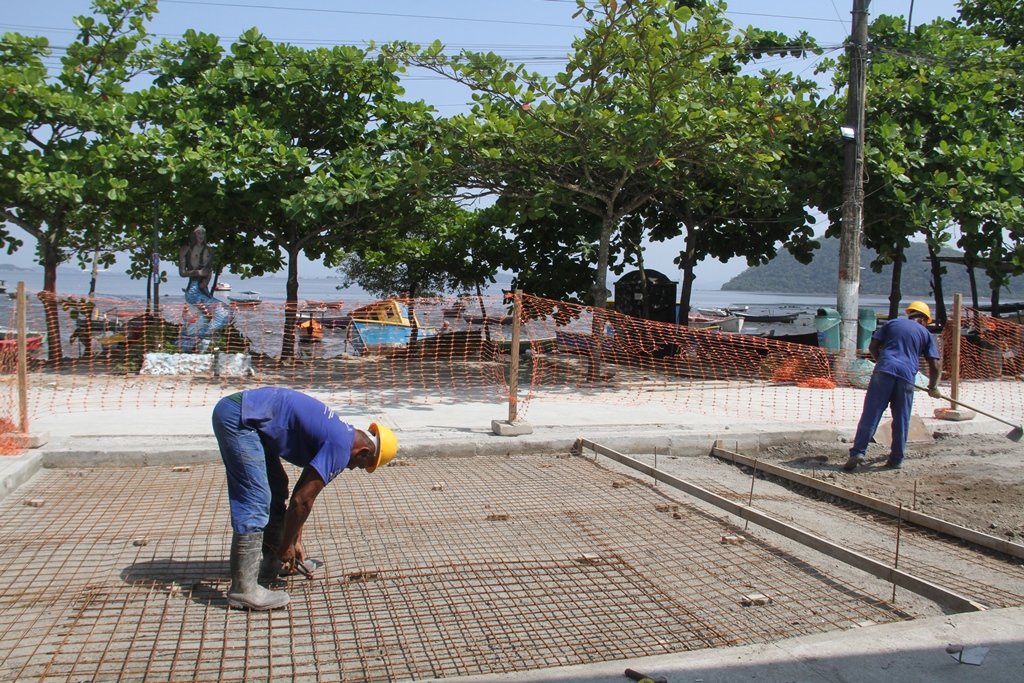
(371, 14)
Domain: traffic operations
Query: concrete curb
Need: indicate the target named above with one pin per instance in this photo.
(177, 450)
(17, 470)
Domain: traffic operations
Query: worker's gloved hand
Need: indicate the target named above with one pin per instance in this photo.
(934, 392)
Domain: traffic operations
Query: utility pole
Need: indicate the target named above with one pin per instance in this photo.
(853, 183)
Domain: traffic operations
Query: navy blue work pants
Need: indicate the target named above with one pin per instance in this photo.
(885, 391)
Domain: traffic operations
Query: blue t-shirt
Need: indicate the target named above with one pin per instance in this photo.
(904, 341)
(299, 429)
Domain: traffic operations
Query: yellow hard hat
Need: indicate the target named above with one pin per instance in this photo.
(922, 308)
(387, 445)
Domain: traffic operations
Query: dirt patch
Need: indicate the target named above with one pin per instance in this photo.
(976, 481)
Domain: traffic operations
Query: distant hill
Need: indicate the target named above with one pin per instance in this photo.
(784, 275)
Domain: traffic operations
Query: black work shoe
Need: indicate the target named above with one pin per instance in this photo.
(852, 463)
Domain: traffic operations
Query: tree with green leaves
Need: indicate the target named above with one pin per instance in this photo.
(943, 149)
(1003, 19)
(436, 248)
(308, 152)
(57, 163)
(640, 97)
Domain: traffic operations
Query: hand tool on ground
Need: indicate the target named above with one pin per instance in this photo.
(635, 675)
(1014, 434)
(301, 567)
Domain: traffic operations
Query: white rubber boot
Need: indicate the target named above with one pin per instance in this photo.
(245, 592)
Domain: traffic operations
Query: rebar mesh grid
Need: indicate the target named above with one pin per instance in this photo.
(434, 567)
(987, 577)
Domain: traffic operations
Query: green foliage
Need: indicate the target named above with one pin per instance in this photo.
(281, 151)
(943, 133)
(438, 247)
(58, 168)
(650, 93)
(1002, 19)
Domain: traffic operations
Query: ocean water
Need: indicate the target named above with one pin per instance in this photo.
(72, 281)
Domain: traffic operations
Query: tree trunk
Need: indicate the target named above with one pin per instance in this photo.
(599, 297)
(483, 312)
(51, 259)
(686, 265)
(896, 284)
(291, 306)
(414, 332)
(940, 304)
(645, 304)
(95, 271)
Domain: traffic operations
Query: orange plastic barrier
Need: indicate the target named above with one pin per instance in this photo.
(118, 353)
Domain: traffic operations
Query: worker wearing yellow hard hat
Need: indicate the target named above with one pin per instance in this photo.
(896, 348)
(256, 430)
(920, 308)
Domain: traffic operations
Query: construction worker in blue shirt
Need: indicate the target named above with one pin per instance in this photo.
(896, 348)
(258, 428)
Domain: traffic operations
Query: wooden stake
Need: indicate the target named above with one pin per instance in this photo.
(22, 361)
(513, 368)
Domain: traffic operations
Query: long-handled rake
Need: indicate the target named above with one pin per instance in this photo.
(1014, 434)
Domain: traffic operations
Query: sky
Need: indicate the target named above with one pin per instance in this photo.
(537, 33)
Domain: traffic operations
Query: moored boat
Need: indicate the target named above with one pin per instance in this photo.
(384, 325)
(9, 341)
(729, 323)
(317, 304)
(769, 317)
(249, 298)
(310, 330)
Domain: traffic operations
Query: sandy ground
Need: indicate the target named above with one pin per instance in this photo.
(976, 481)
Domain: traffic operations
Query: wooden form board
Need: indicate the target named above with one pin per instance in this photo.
(912, 516)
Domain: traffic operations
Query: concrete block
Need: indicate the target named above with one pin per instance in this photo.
(29, 439)
(916, 431)
(218, 364)
(506, 428)
(954, 414)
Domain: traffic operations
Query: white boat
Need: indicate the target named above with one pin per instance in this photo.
(222, 287)
(248, 298)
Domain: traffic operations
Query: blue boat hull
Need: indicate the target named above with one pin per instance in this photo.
(374, 337)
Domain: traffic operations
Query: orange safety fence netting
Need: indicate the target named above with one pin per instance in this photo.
(991, 355)
(108, 354)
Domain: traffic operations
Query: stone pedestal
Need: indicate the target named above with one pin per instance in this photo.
(916, 431)
(506, 428)
(954, 414)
